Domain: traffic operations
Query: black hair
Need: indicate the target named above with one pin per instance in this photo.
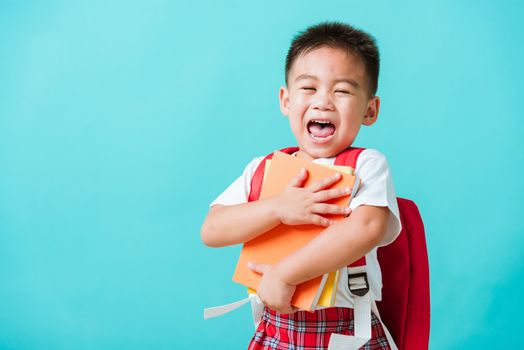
(340, 36)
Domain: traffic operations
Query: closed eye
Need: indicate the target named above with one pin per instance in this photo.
(342, 91)
(308, 88)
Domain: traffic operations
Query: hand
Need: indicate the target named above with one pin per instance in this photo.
(297, 205)
(272, 290)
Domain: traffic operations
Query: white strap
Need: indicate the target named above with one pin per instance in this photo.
(362, 319)
(257, 308)
(361, 316)
(216, 311)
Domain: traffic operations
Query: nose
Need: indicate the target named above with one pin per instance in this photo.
(322, 101)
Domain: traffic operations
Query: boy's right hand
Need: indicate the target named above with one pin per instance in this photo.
(297, 205)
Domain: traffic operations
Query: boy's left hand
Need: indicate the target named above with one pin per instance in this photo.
(272, 290)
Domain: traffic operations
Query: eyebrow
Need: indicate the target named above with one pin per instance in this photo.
(342, 80)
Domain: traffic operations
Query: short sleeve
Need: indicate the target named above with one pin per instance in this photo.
(377, 190)
(238, 191)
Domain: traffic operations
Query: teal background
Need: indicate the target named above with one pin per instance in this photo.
(121, 121)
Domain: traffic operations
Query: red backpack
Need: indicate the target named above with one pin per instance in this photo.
(405, 307)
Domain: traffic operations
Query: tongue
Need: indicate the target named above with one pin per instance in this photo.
(321, 131)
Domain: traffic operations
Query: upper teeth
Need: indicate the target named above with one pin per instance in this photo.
(321, 121)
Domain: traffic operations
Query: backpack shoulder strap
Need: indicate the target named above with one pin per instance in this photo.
(258, 176)
(349, 157)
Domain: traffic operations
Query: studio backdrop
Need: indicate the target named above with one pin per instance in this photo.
(121, 121)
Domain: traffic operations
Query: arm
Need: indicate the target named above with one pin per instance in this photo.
(336, 247)
(233, 224)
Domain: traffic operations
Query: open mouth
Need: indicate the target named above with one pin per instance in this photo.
(321, 130)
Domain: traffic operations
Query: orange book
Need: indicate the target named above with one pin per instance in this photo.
(274, 245)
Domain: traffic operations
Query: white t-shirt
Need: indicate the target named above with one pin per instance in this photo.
(376, 189)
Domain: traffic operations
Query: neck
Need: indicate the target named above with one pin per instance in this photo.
(304, 155)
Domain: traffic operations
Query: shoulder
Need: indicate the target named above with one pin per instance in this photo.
(371, 158)
(252, 166)
(377, 189)
(250, 170)
(238, 191)
(371, 153)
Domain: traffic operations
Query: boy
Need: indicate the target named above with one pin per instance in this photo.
(331, 81)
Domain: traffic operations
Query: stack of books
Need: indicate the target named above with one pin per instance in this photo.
(277, 243)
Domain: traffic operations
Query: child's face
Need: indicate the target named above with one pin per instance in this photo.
(327, 101)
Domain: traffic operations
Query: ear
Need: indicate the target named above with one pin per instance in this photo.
(283, 96)
(371, 115)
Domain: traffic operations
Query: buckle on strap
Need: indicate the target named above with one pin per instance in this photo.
(358, 283)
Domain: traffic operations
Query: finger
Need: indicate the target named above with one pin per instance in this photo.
(298, 180)
(258, 268)
(323, 208)
(326, 195)
(321, 221)
(325, 182)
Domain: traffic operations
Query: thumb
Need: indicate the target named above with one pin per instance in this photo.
(258, 268)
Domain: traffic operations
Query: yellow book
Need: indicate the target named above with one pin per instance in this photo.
(329, 293)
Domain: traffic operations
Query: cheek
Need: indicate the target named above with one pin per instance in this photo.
(297, 110)
(299, 100)
(353, 109)
(296, 126)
